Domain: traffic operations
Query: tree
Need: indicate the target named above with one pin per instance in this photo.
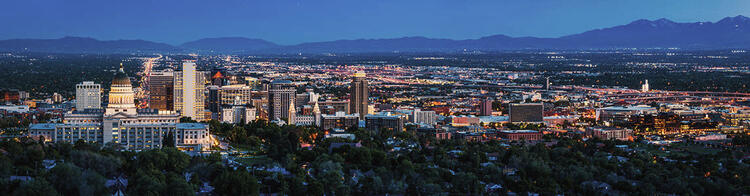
(36, 187)
(168, 140)
(236, 182)
(64, 176)
(92, 184)
(103, 164)
(177, 185)
(146, 183)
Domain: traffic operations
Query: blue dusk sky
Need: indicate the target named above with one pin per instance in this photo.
(292, 22)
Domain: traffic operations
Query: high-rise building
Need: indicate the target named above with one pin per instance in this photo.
(281, 98)
(423, 117)
(161, 90)
(213, 102)
(359, 95)
(57, 98)
(189, 88)
(526, 112)
(485, 107)
(88, 95)
(645, 87)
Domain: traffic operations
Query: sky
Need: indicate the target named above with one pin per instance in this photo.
(297, 21)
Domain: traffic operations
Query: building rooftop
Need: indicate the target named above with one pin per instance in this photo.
(640, 107)
(88, 111)
(281, 82)
(191, 126)
(519, 131)
(43, 126)
(489, 119)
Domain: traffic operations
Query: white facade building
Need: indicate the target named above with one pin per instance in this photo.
(189, 88)
(424, 117)
(88, 95)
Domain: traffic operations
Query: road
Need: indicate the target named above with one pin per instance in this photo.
(142, 95)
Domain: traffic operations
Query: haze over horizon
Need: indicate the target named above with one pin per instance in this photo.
(293, 22)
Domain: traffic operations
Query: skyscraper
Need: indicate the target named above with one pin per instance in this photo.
(485, 107)
(359, 95)
(88, 95)
(189, 86)
(281, 98)
(645, 87)
(161, 90)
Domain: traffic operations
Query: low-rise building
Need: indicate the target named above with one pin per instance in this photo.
(608, 133)
(516, 135)
(340, 120)
(377, 122)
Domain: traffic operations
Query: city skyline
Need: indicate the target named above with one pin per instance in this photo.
(339, 97)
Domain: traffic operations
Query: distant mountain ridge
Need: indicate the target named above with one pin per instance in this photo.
(730, 32)
(229, 44)
(85, 45)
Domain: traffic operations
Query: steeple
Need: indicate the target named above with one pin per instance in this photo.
(316, 114)
(292, 113)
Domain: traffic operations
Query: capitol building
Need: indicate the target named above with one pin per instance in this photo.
(124, 125)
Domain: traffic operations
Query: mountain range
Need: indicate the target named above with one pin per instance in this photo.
(730, 32)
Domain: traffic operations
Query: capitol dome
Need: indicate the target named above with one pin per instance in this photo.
(121, 95)
(121, 78)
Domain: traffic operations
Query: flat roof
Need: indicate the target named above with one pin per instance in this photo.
(519, 131)
(43, 126)
(191, 126)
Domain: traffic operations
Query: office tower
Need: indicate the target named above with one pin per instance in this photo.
(281, 96)
(423, 117)
(88, 95)
(526, 112)
(227, 94)
(645, 87)
(307, 98)
(547, 84)
(214, 101)
(189, 86)
(161, 90)
(359, 95)
(485, 107)
(57, 98)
